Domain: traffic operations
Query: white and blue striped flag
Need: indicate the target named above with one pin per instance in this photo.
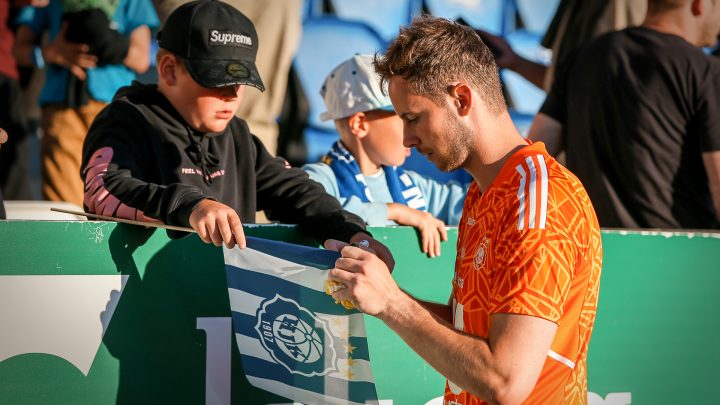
(294, 340)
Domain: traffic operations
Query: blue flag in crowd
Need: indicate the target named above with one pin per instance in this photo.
(294, 340)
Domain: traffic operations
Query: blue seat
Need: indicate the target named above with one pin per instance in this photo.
(525, 97)
(536, 15)
(522, 121)
(312, 9)
(488, 15)
(325, 43)
(318, 142)
(385, 17)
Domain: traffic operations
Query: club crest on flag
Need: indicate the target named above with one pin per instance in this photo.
(295, 337)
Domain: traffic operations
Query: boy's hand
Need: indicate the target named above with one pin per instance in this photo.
(217, 223)
(432, 230)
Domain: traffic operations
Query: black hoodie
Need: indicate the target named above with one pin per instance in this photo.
(141, 160)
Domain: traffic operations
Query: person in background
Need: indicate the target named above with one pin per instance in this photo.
(176, 153)
(575, 23)
(81, 77)
(527, 274)
(3, 139)
(362, 169)
(636, 112)
(15, 179)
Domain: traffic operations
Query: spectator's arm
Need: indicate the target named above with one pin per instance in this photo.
(73, 56)
(506, 58)
(712, 167)
(24, 46)
(549, 131)
(138, 56)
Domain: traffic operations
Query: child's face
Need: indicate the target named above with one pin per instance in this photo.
(205, 109)
(384, 140)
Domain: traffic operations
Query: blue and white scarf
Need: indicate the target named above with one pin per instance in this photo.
(351, 181)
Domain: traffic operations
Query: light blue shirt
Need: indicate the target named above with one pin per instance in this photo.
(444, 201)
(103, 81)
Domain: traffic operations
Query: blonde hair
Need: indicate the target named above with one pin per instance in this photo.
(432, 52)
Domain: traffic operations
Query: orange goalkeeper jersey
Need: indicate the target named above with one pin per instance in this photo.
(530, 245)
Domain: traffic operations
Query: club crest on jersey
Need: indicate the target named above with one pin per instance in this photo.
(481, 253)
(296, 338)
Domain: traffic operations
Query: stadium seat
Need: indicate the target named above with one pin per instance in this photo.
(488, 15)
(524, 96)
(325, 43)
(385, 17)
(318, 142)
(312, 9)
(536, 15)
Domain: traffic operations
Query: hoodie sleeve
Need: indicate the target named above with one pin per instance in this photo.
(288, 195)
(114, 151)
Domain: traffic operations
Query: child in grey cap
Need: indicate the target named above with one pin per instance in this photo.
(362, 169)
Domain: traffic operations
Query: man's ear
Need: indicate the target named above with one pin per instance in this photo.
(462, 98)
(696, 7)
(358, 125)
(167, 69)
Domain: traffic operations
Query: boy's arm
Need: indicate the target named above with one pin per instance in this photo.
(444, 200)
(114, 176)
(373, 213)
(288, 195)
(432, 230)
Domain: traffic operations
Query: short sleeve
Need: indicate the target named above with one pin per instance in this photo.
(33, 17)
(136, 13)
(535, 270)
(555, 105)
(708, 117)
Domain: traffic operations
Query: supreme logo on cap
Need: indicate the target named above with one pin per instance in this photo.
(225, 38)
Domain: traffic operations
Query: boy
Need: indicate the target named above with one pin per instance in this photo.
(362, 169)
(176, 153)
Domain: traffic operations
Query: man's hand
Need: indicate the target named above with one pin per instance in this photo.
(3, 136)
(432, 230)
(217, 223)
(369, 284)
(75, 57)
(372, 246)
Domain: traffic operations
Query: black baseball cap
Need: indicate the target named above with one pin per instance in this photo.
(217, 42)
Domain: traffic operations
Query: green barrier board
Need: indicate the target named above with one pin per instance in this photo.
(103, 313)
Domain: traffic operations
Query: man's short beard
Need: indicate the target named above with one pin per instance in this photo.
(459, 139)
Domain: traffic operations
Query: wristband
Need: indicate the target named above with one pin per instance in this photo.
(37, 57)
